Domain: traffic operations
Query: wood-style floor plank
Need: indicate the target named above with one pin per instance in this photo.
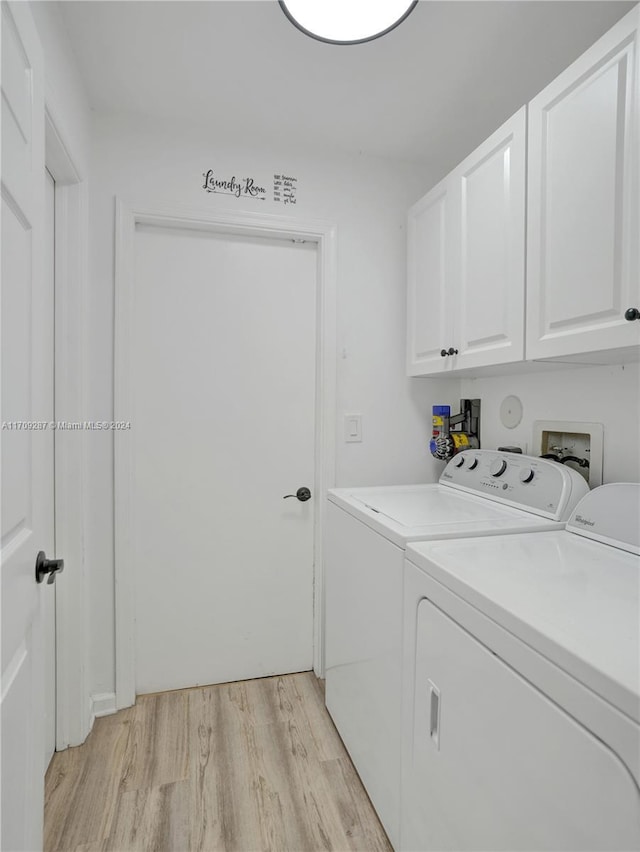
(309, 710)
(63, 777)
(151, 818)
(223, 813)
(157, 747)
(87, 814)
(253, 766)
(354, 810)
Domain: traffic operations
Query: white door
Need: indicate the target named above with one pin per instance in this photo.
(223, 389)
(27, 460)
(584, 189)
(489, 227)
(430, 279)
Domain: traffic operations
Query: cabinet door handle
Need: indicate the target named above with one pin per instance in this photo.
(434, 714)
(443, 352)
(632, 314)
(452, 351)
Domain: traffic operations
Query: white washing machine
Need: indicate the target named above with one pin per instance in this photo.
(480, 492)
(521, 686)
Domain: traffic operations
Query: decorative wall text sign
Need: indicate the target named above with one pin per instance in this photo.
(284, 189)
(245, 187)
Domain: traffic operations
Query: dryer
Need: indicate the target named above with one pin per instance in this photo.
(480, 493)
(521, 685)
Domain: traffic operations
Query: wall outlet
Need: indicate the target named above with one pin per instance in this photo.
(580, 444)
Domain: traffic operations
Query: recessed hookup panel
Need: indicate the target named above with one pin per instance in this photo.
(578, 445)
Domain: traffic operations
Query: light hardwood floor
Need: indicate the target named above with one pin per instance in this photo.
(253, 765)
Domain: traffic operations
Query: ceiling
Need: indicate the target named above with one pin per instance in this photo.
(428, 92)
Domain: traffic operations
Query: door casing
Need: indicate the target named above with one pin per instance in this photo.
(73, 704)
(247, 224)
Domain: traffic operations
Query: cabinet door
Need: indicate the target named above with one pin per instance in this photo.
(583, 202)
(429, 279)
(489, 226)
(494, 764)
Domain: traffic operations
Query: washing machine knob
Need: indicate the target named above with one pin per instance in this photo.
(498, 467)
(459, 461)
(474, 463)
(526, 474)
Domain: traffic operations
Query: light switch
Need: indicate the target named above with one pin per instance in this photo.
(353, 427)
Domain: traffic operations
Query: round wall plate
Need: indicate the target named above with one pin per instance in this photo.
(510, 412)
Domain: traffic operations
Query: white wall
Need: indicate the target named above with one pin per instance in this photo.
(608, 395)
(65, 96)
(141, 160)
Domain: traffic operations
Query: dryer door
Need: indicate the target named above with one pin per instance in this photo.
(496, 765)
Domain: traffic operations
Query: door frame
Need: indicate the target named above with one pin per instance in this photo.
(73, 706)
(324, 234)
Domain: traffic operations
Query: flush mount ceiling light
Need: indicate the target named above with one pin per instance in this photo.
(346, 21)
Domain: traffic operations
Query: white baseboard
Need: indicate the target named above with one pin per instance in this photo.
(102, 704)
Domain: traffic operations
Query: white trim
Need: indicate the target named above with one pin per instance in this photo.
(325, 472)
(57, 157)
(102, 704)
(123, 462)
(279, 227)
(73, 721)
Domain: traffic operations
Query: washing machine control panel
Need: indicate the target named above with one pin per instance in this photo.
(541, 486)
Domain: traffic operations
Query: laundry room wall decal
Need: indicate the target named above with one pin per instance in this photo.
(285, 189)
(244, 187)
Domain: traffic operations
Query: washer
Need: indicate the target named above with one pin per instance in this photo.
(521, 686)
(480, 492)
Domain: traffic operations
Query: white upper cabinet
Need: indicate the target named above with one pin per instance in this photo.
(430, 281)
(584, 186)
(578, 167)
(489, 227)
(466, 261)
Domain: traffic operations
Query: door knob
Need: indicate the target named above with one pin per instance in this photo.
(632, 314)
(452, 351)
(443, 352)
(46, 566)
(303, 494)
